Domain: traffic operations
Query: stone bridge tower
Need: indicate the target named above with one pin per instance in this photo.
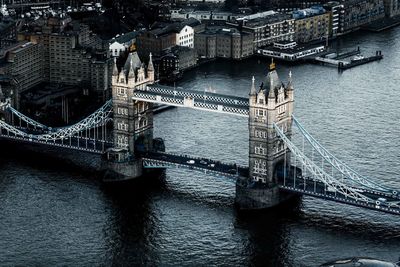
(271, 103)
(133, 120)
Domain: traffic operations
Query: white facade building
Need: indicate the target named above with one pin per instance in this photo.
(122, 43)
(185, 37)
(116, 48)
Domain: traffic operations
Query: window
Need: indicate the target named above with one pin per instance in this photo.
(260, 167)
(260, 134)
(121, 91)
(122, 126)
(122, 111)
(122, 141)
(259, 150)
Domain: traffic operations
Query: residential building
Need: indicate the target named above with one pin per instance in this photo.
(155, 41)
(206, 17)
(292, 5)
(59, 52)
(175, 60)
(224, 43)
(185, 36)
(361, 12)
(267, 27)
(337, 14)
(8, 32)
(163, 36)
(206, 44)
(392, 7)
(311, 24)
(23, 63)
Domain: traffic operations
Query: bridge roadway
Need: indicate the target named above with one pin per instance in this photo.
(383, 202)
(318, 189)
(194, 99)
(168, 160)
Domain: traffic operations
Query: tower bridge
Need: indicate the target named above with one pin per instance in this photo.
(279, 166)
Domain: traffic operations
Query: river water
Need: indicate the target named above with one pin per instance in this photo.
(53, 215)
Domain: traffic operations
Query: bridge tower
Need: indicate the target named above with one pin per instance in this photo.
(133, 120)
(271, 103)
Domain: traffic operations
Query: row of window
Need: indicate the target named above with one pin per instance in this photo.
(186, 36)
(122, 111)
(122, 126)
(260, 150)
(281, 109)
(260, 134)
(122, 141)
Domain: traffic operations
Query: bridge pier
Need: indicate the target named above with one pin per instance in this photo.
(258, 197)
(122, 171)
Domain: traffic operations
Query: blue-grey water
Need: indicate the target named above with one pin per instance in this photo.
(52, 215)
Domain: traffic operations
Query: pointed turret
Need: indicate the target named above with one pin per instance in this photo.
(271, 93)
(253, 87)
(150, 69)
(131, 75)
(290, 82)
(115, 68)
(140, 74)
(290, 89)
(150, 66)
(115, 73)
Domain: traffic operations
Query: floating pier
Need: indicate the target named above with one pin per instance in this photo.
(338, 60)
(358, 62)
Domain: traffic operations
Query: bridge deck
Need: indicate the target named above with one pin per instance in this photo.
(167, 160)
(76, 143)
(318, 189)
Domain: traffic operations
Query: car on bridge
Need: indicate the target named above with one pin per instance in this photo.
(190, 162)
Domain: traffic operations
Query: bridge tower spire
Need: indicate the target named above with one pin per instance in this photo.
(267, 156)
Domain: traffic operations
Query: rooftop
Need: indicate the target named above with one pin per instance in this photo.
(124, 38)
(261, 19)
(308, 12)
(291, 50)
